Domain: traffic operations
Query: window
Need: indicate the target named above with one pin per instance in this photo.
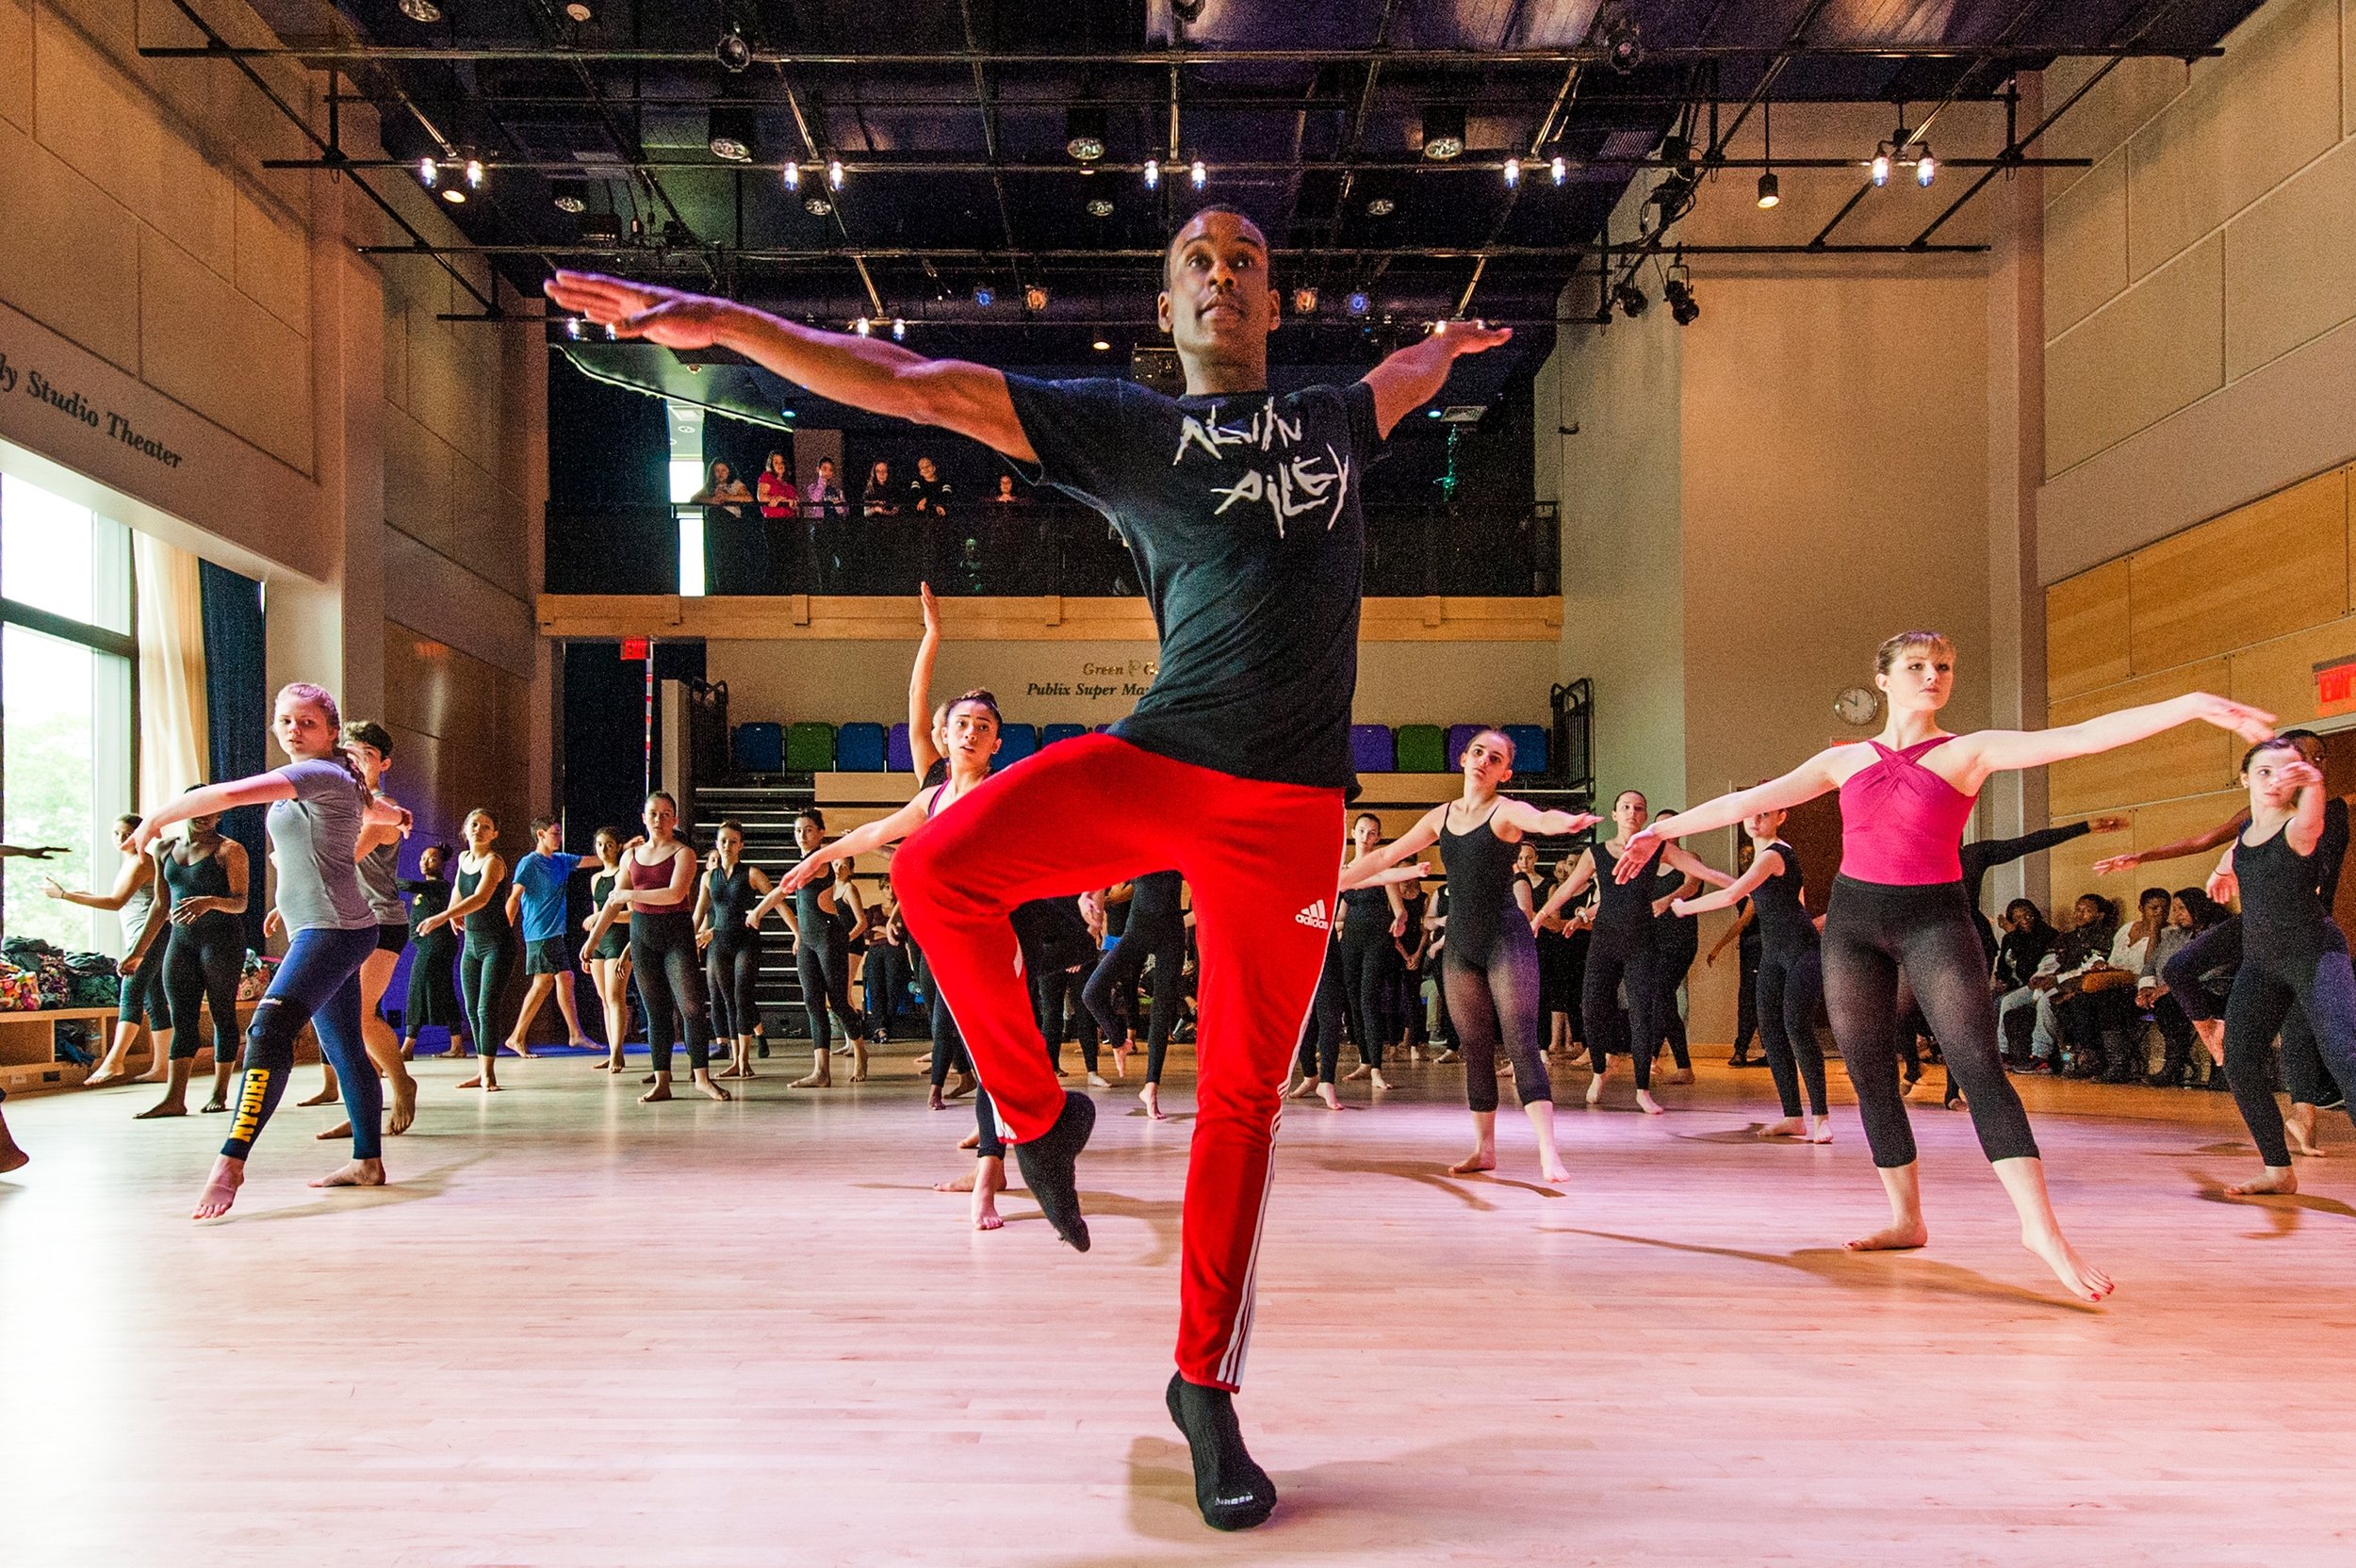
(66, 708)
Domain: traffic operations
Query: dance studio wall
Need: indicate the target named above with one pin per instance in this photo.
(2200, 283)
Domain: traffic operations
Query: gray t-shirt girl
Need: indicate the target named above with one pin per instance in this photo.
(312, 838)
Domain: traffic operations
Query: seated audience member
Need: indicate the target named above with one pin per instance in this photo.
(2021, 957)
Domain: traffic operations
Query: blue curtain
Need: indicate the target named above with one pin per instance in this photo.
(236, 695)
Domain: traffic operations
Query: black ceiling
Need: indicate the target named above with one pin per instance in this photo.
(952, 120)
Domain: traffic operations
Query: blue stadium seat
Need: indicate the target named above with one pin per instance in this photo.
(1372, 749)
(760, 748)
(1055, 732)
(1016, 742)
(859, 748)
(897, 757)
(1529, 748)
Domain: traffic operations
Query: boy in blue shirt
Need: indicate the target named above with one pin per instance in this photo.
(535, 905)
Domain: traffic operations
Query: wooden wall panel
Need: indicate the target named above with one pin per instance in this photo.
(2161, 823)
(2271, 568)
(2086, 632)
(2280, 676)
(2189, 759)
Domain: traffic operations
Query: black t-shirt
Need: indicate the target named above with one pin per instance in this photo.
(1242, 513)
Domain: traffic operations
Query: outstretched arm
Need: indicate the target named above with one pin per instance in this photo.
(1568, 888)
(857, 842)
(1813, 778)
(922, 753)
(2178, 848)
(1989, 751)
(1363, 871)
(863, 372)
(1683, 859)
(1414, 376)
(1732, 933)
(1766, 863)
(211, 801)
(1522, 814)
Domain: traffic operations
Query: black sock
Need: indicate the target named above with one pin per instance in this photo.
(1234, 1492)
(1048, 1162)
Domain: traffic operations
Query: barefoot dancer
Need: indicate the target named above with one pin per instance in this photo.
(1321, 1034)
(1790, 973)
(1157, 930)
(483, 963)
(2294, 957)
(432, 1001)
(1371, 917)
(1622, 949)
(1489, 965)
(204, 874)
(141, 999)
(535, 908)
(317, 808)
(1241, 507)
(731, 891)
(656, 883)
(369, 745)
(609, 957)
(1899, 902)
(820, 956)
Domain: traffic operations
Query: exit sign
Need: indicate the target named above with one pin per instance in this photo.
(635, 648)
(2335, 687)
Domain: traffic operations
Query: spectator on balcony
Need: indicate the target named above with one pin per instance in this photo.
(723, 490)
(929, 492)
(775, 488)
(1006, 496)
(824, 505)
(825, 495)
(882, 498)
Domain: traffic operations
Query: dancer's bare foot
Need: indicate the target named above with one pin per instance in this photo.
(327, 1096)
(1475, 1163)
(1820, 1129)
(711, 1090)
(1551, 1169)
(520, 1048)
(162, 1109)
(1646, 1103)
(341, 1130)
(955, 1184)
(214, 1106)
(1098, 1081)
(2081, 1278)
(1120, 1061)
(1595, 1084)
(103, 1079)
(1790, 1127)
(963, 1086)
(1901, 1236)
(2299, 1125)
(1332, 1096)
(404, 1106)
(473, 1083)
(359, 1173)
(648, 1078)
(815, 1080)
(731, 1071)
(859, 1063)
(1355, 1073)
(971, 1141)
(1678, 1075)
(221, 1188)
(1446, 1056)
(1380, 1081)
(1152, 1095)
(935, 1103)
(408, 1051)
(1308, 1086)
(660, 1091)
(2279, 1180)
(990, 1180)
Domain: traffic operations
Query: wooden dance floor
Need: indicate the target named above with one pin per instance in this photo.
(583, 1332)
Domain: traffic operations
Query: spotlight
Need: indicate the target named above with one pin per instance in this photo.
(1881, 164)
(1513, 172)
(1631, 299)
(1562, 171)
(1924, 170)
(454, 196)
(420, 10)
(1305, 300)
(474, 174)
(899, 329)
(816, 206)
(1622, 44)
(581, 12)
(729, 131)
(793, 176)
(1679, 292)
(1382, 206)
(1034, 298)
(1358, 305)
(572, 326)
(985, 296)
(834, 172)
(860, 326)
(732, 51)
(1100, 207)
(569, 195)
(1101, 345)
(1153, 173)
(1083, 131)
(429, 172)
(1770, 192)
(1198, 174)
(1444, 131)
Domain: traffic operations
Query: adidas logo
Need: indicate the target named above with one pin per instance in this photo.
(1315, 915)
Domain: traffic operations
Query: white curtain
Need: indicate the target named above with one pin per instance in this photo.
(171, 670)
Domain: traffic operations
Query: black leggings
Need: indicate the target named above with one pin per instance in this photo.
(1116, 977)
(662, 961)
(1790, 985)
(731, 966)
(1498, 1004)
(1638, 1035)
(2310, 976)
(886, 979)
(1054, 993)
(1321, 1034)
(823, 962)
(1872, 929)
(483, 969)
(1363, 948)
(1746, 998)
(2218, 947)
(203, 964)
(1673, 956)
(948, 1045)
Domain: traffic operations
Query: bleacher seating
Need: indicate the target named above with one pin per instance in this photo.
(1529, 748)
(897, 756)
(810, 748)
(1371, 748)
(1459, 737)
(1055, 732)
(1421, 748)
(1015, 742)
(858, 748)
(760, 748)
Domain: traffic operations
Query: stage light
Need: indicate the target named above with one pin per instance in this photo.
(816, 206)
(1199, 174)
(420, 10)
(1770, 191)
(1562, 171)
(1925, 171)
(1153, 173)
(1444, 131)
(834, 172)
(899, 329)
(732, 51)
(1358, 305)
(581, 12)
(429, 172)
(1513, 172)
(729, 131)
(474, 174)
(569, 195)
(572, 326)
(1382, 206)
(985, 296)
(454, 196)
(1622, 44)
(1305, 300)
(1034, 298)
(1083, 131)
(1631, 299)
(1679, 292)
(1100, 207)
(1101, 345)
(860, 326)
(792, 175)
(1881, 164)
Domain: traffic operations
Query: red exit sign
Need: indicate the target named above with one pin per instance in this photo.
(635, 648)
(2335, 687)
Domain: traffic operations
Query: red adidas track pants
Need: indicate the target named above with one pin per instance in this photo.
(1263, 859)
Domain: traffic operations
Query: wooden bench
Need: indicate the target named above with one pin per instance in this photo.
(29, 1047)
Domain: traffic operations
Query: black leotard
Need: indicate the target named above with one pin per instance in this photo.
(204, 960)
(1480, 879)
(1489, 967)
(2294, 959)
(1784, 923)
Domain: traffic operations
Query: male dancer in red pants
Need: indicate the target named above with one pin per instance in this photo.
(1242, 508)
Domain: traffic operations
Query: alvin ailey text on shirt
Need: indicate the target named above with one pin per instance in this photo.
(1293, 484)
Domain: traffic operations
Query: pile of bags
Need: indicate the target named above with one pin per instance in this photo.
(35, 975)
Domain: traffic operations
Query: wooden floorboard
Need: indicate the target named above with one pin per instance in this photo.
(581, 1333)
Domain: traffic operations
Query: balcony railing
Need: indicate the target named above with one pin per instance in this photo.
(1412, 551)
